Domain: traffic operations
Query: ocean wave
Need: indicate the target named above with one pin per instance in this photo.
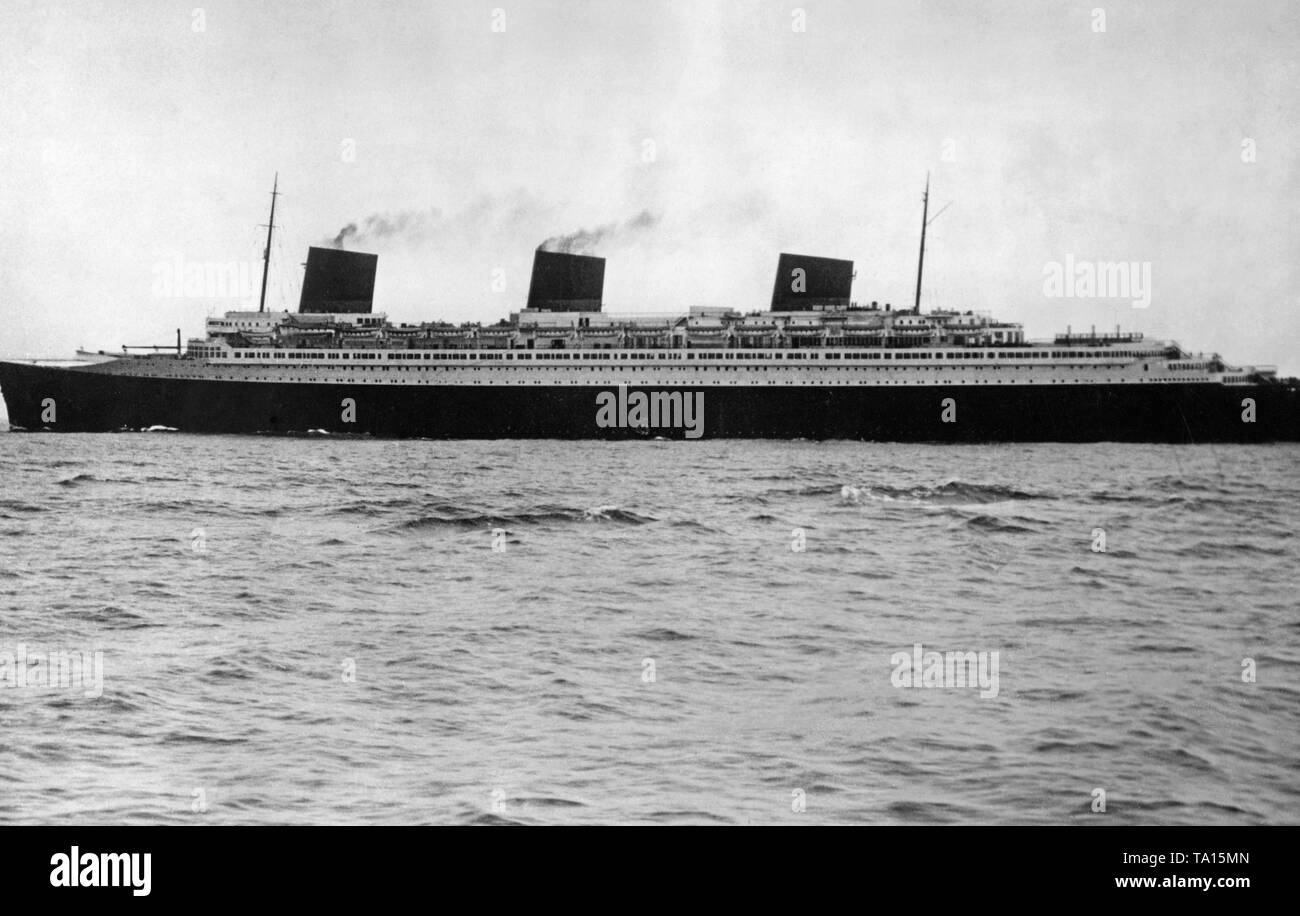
(466, 518)
(366, 627)
(107, 615)
(990, 523)
(664, 634)
(1210, 549)
(14, 505)
(954, 491)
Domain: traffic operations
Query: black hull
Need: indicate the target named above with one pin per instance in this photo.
(89, 401)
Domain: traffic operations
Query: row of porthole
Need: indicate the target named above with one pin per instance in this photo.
(263, 378)
(792, 383)
(612, 369)
(704, 368)
(676, 368)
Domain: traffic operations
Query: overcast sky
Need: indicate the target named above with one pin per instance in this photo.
(137, 132)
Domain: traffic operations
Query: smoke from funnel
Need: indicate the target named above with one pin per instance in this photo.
(349, 230)
(585, 241)
(489, 218)
(408, 225)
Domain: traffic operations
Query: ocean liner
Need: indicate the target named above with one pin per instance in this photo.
(814, 365)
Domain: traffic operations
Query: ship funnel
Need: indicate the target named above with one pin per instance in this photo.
(805, 283)
(566, 282)
(338, 281)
